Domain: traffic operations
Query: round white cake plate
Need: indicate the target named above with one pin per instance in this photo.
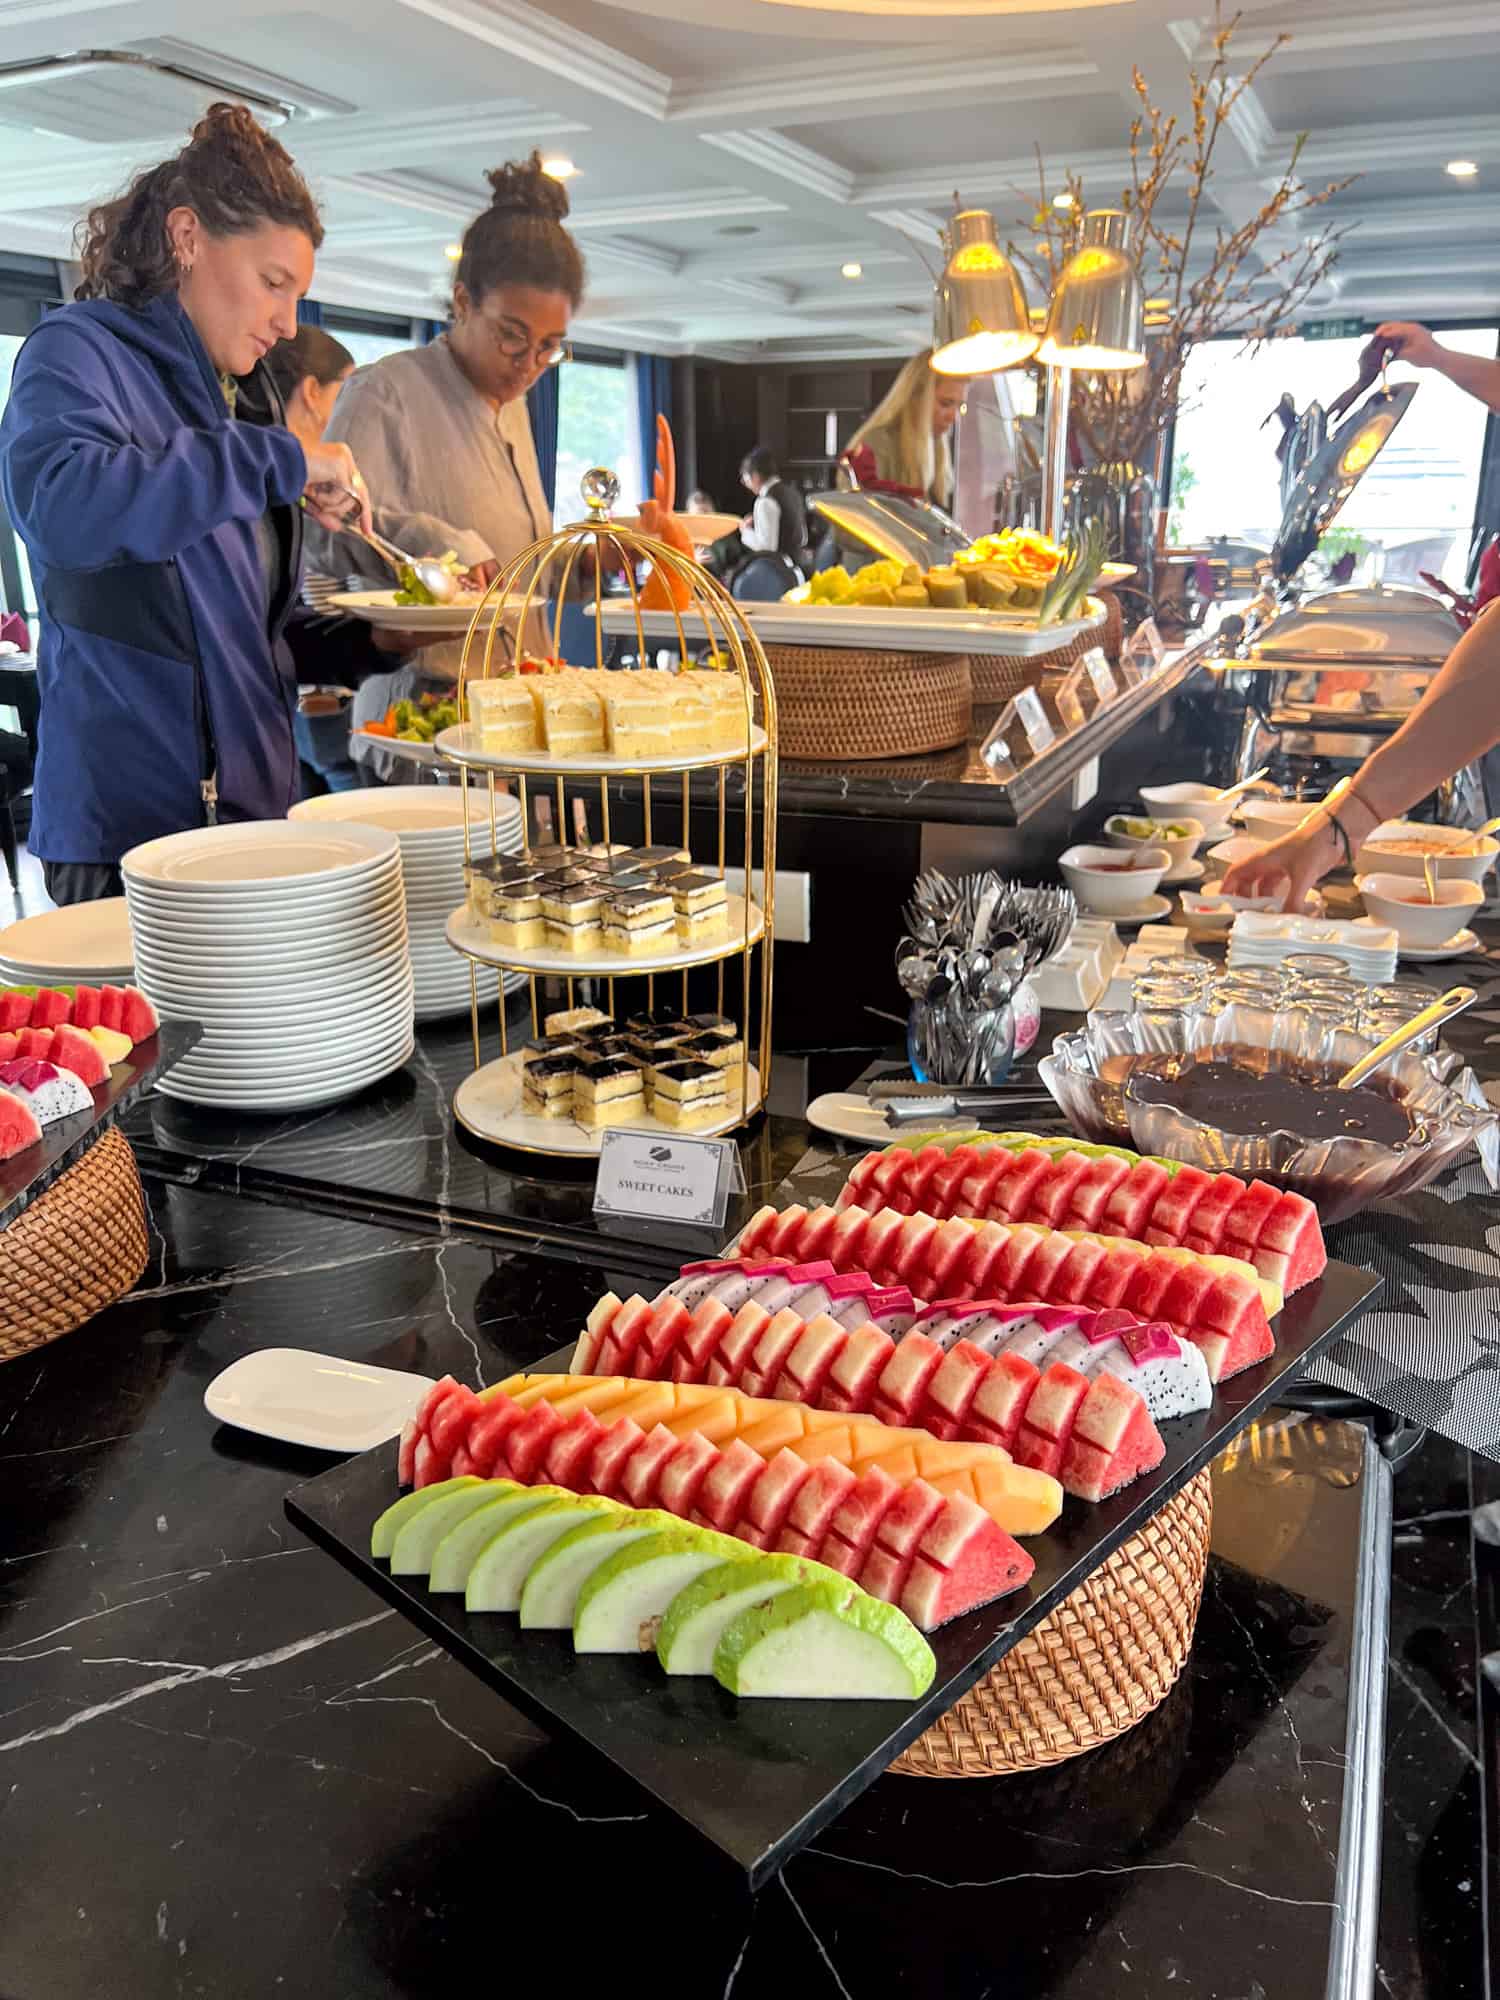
(488, 1104)
(473, 939)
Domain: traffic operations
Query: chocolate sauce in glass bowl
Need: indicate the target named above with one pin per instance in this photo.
(1248, 1102)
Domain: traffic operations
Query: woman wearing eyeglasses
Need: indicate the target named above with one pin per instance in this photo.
(442, 430)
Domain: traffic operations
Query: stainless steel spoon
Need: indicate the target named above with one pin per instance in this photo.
(1454, 1001)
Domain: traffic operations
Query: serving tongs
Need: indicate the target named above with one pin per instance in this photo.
(439, 582)
(907, 1103)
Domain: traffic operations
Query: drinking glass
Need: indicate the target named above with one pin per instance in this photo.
(1314, 965)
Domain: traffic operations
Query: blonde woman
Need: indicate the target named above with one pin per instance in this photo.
(902, 446)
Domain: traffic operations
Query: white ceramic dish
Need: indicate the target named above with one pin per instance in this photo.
(1179, 851)
(1198, 801)
(1184, 876)
(1229, 853)
(316, 916)
(1146, 912)
(417, 814)
(1102, 887)
(465, 935)
(462, 744)
(1455, 947)
(273, 908)
(1269, 819)
(258, 856)
(314, 1399)
(1450, 867)
(379, 607)
(80, 941)
(929, 631)
(326, 1017)
(283, 1097)
(414, 753)
(1423, 926)
(848, 1115)
(14, 973)
(488, 1104)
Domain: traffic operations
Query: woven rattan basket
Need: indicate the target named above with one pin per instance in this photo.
(835, 703)
(75, 1250)
(1094, 1667)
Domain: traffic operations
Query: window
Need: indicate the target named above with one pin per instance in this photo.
(368, 337)
(596, 425)
(1413, 511)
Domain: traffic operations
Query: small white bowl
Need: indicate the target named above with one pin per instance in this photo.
(1423, 925)
(1181, 850)
(1202, 801)
(1270, 819)
(1434, 839)
(1229, 853)
(1103, 887)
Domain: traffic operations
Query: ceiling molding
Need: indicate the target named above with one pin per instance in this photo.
(781, 259)
(778, 95)
(766, 289)
(774, 153)
(1250, 124)
(1466, 212)
(1364, 36)
(916, 225)
(1421, 143)
(404, 194)
(527, 34)
(636, 256)
(428, 135)
(244, 76)
(22, 13)
(975, 178)
(643, 211)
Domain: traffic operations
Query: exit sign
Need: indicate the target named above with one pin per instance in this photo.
(1331, 329)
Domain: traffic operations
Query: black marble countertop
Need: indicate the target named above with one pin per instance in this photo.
(226, 1769)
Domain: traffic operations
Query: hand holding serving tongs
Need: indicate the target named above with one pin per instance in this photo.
(348, 512)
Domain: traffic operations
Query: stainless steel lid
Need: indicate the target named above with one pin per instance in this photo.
(1326, 483)
(1375, 625)
(906, 531)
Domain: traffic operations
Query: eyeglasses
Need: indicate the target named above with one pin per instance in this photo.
(520, 348)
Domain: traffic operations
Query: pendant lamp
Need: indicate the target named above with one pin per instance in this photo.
(980, 321)
(1098, 317)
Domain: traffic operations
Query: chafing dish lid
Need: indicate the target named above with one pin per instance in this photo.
(904, 531)
(1384, 625)
(1322, 489)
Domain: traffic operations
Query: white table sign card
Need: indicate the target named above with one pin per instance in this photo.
(666, 1177)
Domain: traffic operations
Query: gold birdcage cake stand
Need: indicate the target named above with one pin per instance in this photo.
(662, 972)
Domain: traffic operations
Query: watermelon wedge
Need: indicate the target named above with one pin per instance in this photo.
(1049, 1419)
(951, 1391)
(732, 1356)
(684, 1472)
(894, 1548)
(963, 1560)
(850, 1383)
(817, 1499)
(571, 1448)
(1092, 1191)
(1017, 1188)
(1113, 1441)
(138, 1018)
(1205, 1230)
(18, 1126)
(723, 1493)
(612, 1453)
(527, 1444)
(112, 1007)
(49, 1008)
(652, 1359)
(1249, 1216)
(15, 1009)
(902, 1387)
(770, 1499)
(1129, 1207)
(85, 1014)
(1000, 1401)
(779, 1336)
(1054, 1191)
(1175, 1205)
(1291, 1231)
(710, 1321)
(858, 1515)
(807, 1367)
(641, 1479)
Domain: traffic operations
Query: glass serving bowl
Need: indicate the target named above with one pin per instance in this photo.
(1088, 1073)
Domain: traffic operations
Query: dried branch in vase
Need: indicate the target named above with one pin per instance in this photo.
(1204, 279)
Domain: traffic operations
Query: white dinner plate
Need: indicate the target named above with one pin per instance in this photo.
(278, 1024)
(258, 855)
(331, 1060)
(283, 903)
(328, 1088)
(1458, 946)
(223, 967)
(314, 1399)
(1182, 877)
(84, 935)
(316, 916)
(379, 607)
(13, 973)
(413, 812)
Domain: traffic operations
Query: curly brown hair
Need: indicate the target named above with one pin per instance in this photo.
(231, 173)
(519, 239)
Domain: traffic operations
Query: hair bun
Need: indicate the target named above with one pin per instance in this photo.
(521, 187)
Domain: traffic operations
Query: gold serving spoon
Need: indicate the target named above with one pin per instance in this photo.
(1454, 1001)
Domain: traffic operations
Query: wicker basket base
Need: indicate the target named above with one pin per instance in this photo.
(1094, 1667)
(836, 703)
(75, 1250)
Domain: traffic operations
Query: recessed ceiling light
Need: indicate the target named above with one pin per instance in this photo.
(453, 251)
(1064, 200)
(1461, 170)
(559, 167)
(852, 270)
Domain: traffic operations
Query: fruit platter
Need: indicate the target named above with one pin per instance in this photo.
(748, 1536)
(71, 1058)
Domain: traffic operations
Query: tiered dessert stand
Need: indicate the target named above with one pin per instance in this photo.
(489, 1103)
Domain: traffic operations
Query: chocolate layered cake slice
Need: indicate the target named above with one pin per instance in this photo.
(700, 909)
(547, 1085)
(687, 1093)
(639, 921)
(608, 1090)
(574, 917)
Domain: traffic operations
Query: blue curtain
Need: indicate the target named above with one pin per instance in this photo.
(309, 313)
(543, 404)
(429, 329)
(653, 396)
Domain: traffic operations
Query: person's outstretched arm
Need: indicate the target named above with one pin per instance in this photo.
(1457, 720)
(1471, 372)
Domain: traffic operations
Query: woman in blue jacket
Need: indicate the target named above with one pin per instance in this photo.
(145, 464)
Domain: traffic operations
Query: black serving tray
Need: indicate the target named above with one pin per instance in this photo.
(757, 1779)
(63, 1143)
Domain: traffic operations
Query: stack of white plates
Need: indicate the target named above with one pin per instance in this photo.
(288, 943)
(428, 820)
(1266, 937)
(87, 944)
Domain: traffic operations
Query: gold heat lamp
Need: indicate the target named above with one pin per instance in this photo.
(1098, 318)
(980, 321)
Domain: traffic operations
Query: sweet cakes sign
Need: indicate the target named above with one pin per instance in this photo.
(646, 1177)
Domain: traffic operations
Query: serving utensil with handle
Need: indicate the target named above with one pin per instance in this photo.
(1454, 1001)
(439, 583)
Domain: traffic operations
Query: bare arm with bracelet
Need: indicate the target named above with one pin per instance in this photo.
(1457, 720)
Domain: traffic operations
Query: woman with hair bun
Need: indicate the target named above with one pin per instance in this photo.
(442, 430)
(146, 466)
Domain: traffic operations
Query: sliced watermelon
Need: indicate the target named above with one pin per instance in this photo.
(951, 1391)
(858, 1366)
(807, 1367)
(1113, 1442)
(779, 1336)
(138, 1018)
(1148, 1283)
(949, 1250)
(566, 1460)
(406, 1451)
(1113, 1277)
(894, 1549)
(862, 1176)
(732, 1356)
(1008, 1272)
(990, 1239)
(1187, 1289)
(963, 1560)
(526, 1446)
(449, 1423)
(9, 1047)
(498, 1416)
(999, 1404)
(32, 1044)
(903, 1381)
(927, 1163)
(611, 1455)
(843, 1246)
(770, 1498)
(1175, 1204)
(1248, 1217)
(979, 1193)
(112, 1007)
(879, 1243)
(596, 1327)
(816, 1231)
(15, 1010)
(640, 1482)
(817, 1499)
(1048, 1258)
(85, 1014)
(855, 1520)
(49, 1008)
(943, 1188)
(1054, 1191)
(1075, 1275)
(1129, 1207)
(18, 1126)
(651, 1359)
(625, 1330)
(1092, 1190)
(908, 1253)
(1292, 1230)
(711, 1320)
(684, 1472)
(722, 1495)
(755, 1232)
(1013, 1195)
(1205, 1231)
(1050, 1415)
(782, 1239)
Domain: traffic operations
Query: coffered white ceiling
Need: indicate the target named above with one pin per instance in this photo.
(734, 154)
